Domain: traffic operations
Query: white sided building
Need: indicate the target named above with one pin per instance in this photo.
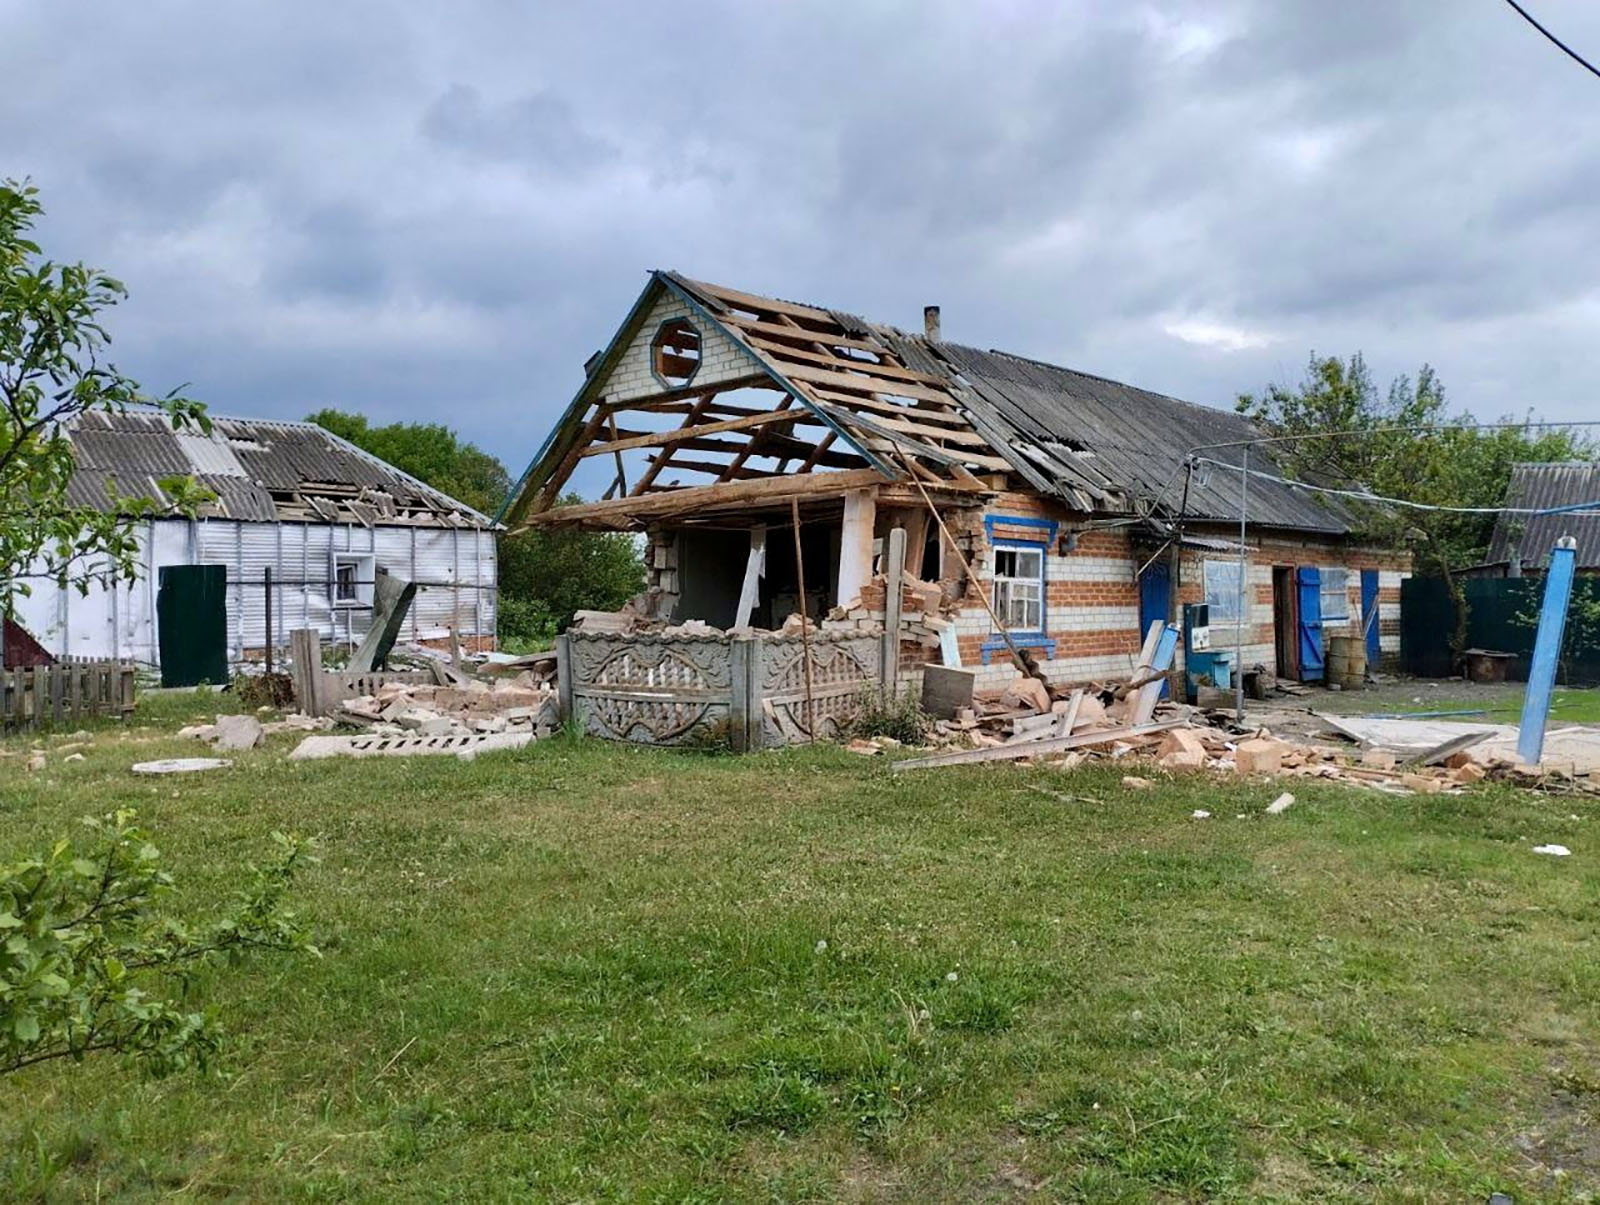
(293, 501)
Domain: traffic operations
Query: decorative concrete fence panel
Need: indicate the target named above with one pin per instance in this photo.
(748, 691)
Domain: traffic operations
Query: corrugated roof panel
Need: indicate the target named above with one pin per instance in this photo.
(252, 465)
(1529, 538)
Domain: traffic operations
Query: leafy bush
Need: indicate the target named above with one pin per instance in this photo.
(273, 690)
(87, 962)
(524, 625)
(893, 714)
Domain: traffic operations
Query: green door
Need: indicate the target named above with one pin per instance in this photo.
(192, 619)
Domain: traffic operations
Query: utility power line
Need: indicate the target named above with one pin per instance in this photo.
(1565, 49)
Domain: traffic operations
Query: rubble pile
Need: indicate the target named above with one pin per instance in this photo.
(525, 703)
(1066, 727)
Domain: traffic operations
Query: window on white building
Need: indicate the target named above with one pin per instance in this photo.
(1335, 596)
(1019, 587)
(1222, 590)
(352, 579)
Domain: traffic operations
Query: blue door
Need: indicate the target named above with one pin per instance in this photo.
(1369, 614)
(1310, 634)
(1155, 595)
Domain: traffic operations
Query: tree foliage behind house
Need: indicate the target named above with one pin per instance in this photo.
(545, 574)
(1458, 465)
(54, 367)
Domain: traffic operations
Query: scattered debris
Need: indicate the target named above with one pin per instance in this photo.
(1135, 783)
(181, 765)
(465, 747)
(1200, 814)
(235, 733)
(1280, 805)
(1555, 851)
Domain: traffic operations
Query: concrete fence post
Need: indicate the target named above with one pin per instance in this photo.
(744, 703)
(564, 681)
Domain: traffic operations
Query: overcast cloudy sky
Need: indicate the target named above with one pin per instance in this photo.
(439, 211)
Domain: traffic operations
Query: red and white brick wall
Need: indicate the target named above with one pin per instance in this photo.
(1092, 595)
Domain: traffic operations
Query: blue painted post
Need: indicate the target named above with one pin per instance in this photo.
(1547, 650)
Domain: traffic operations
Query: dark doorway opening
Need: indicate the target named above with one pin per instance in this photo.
(1285, 621)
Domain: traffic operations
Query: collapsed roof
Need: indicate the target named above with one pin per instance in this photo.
(898, 405)
(259, 469)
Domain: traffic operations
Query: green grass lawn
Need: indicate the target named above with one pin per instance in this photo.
(586, 972)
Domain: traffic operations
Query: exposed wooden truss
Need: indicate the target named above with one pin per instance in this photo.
(847, 401)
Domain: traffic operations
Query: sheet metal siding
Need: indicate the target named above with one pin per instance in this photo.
(120, 622)
(1542, 486)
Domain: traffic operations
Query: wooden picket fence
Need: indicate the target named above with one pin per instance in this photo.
(70, 690)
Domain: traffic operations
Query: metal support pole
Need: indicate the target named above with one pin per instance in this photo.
(1546, 650)
(1244, 573)
(266, 581)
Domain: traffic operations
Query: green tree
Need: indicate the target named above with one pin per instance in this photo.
(550, 572)
(89, 964)
(1458, 465)
(53, 369)
(430, 452)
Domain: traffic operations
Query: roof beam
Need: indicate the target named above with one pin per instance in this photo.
(677, 435)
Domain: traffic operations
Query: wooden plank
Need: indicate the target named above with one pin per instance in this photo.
(770, 305)
(1153, 673)
(1071, 717)
(657, 439)
(1437, 754)
(928, 412)
(794, 484)
(799, 334)
(1055, 744)
(41, 692)
(754, 567)
(904, 420)
(845, 380)
(903, 441)
(888, 371)
(691, 393)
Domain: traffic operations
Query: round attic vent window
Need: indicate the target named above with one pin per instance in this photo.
(675, 352)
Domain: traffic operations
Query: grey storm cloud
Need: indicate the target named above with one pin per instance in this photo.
(423, 212)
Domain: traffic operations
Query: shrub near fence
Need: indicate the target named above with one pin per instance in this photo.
(1494, 605)
(72, 689)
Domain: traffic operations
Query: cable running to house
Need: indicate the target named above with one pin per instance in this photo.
(1565, 49)
(1582, 509)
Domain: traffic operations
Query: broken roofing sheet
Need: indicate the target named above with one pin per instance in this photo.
(1574, 748)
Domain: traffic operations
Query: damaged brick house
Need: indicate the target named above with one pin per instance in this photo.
(1074, 501)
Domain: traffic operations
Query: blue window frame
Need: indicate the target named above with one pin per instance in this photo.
(1018, 589)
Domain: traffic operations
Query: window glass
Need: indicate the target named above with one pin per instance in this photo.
(1222, 590)
(1335, 595)
(1019, 588)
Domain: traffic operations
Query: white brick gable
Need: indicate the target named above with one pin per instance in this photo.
(721, 359)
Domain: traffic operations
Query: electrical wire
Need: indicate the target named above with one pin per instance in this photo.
(1565, 49)
(1581, 509)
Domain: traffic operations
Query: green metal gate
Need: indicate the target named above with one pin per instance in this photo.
(192, 619)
